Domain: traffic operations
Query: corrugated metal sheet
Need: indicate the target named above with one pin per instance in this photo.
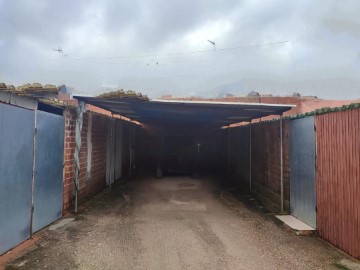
(338, 179)
(125, 149)
(302, 172)
(118, 149)
(209, 113)
(114, 152)
(110, 151)
(132, 147)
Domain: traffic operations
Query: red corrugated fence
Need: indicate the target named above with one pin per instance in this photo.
(338, 179)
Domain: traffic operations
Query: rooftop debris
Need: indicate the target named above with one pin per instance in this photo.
(4, 87)
(55, 102)
(122, 94)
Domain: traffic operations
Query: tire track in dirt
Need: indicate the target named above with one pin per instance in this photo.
(210, 241)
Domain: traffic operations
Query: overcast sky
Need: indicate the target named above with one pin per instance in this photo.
(161, 47)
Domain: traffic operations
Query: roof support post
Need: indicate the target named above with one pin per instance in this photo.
(281, 167)
(109, 151)
(115, 142)
(228, 151)
(130, 148)
(33, 172)
(81, 108)
(250, 168)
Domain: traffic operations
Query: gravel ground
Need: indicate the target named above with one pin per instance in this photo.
(174, 223)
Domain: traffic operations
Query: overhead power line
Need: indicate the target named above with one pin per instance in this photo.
(182, 53)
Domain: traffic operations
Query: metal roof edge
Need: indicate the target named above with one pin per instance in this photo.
(324, 110)
(222, 103)
(321, 111)
(82, 95)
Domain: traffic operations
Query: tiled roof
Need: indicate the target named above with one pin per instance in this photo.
(50, 95)
(35, 90)
(47, 94)
(4, 87)
(312, 105)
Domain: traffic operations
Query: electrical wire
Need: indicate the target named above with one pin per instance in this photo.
(183, 53)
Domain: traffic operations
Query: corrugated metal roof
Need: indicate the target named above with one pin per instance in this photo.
(184, 112)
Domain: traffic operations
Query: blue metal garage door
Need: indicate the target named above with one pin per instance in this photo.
(49, 158)
(16, 157)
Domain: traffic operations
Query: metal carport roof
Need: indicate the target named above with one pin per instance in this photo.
(212, 113)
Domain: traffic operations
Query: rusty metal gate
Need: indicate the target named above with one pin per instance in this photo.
(49, 158)
(302, 170)
(16, 158)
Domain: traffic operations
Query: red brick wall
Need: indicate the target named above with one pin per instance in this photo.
(97, 179)
(266, 168)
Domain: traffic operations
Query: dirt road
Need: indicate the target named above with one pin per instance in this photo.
(174, 223)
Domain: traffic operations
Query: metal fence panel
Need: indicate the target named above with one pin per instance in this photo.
(338, 179)
(16, 157)
(49, 159)
(302, 170)
(132, 147)
(118, 148)
(110, 152)
(125, 149)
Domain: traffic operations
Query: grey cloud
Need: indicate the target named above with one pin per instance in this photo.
(343, 18)
(344, 26)
(320, 57)
(45, 21)
(158, 21)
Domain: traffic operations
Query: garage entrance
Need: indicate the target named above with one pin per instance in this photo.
(179, 154)
(181, 136)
